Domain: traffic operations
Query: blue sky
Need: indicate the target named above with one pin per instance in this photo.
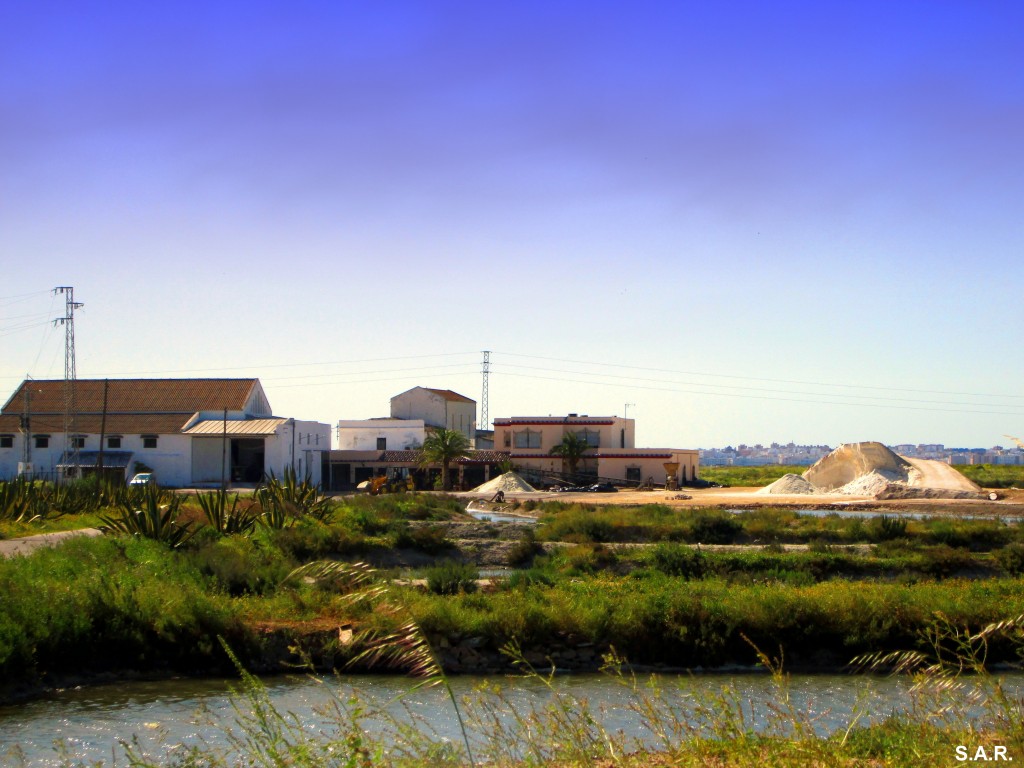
(750, 221)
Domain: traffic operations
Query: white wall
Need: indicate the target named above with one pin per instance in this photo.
(298, 444)
(362, 435)
(171, 460)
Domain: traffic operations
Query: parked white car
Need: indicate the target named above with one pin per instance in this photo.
(143, 478)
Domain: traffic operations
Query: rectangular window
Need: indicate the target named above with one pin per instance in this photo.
(78, 442)
(508, 438)
(527, 439)
(6, 441)
(149, 441)
(382, 443)
(113, 442)
(633, 474)
(591, 437)
(42, 441)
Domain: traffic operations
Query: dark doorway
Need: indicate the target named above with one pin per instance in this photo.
(247, 460)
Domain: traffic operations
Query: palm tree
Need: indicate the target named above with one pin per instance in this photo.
(571, 449)
(443, 446)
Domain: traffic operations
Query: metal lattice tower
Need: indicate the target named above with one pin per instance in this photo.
(68, 321)
(484, 418)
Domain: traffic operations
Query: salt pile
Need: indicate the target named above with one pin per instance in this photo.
(790, 484)
(510, 482)
(872, 469)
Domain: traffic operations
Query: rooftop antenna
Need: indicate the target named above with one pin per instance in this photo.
(484, 417)
(68, 321)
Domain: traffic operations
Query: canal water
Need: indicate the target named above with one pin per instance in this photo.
(87, 724)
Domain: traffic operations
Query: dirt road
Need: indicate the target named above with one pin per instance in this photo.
(12, 547)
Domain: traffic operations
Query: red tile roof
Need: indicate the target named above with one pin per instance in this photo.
(139, 406)
(447, 394)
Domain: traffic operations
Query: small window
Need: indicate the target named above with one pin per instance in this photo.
(113, 442)
(633, 474)
(6, 441)
(508, 439)
(527, 439)
(382, 443)
(78, 441)
(149, 441)
(590, 436)
(42, 441)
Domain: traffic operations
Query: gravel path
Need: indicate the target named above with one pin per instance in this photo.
(28, 544)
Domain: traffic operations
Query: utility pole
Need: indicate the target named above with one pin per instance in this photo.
(26, 423)
(224, 454)
(485, 418)
(103, 433)
(68, 321)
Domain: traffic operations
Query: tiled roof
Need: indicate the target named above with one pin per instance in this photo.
(136, 395)
(89, 424)
(134, 406)
(447, 394)
(545, 420)
(254, 427)
(484, 457)
(401, 457)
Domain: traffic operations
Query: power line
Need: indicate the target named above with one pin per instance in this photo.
(261, 366)
(763, 389)
(756, 397)
(606, 364)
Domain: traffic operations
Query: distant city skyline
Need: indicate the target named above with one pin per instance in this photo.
(749, 222)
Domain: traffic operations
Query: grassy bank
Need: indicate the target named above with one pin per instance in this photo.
(993, 475)
(746, 477)
(130, 603)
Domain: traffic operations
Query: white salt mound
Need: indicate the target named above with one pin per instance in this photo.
(510, 482)
(790, 484)
(866, 485)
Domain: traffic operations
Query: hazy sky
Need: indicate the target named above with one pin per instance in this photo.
(749, 221)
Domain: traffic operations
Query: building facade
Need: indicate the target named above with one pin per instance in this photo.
(440, 408)
(613, 455)
(186, 431)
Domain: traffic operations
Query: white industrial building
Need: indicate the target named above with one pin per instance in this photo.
(186, 431)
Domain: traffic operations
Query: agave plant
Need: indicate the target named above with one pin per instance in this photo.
(22, 500)
(151, 514)
(288, 499)
(228, 520)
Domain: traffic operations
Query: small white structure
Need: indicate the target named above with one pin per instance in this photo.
(186, 431)
(381, 434)
(440, 408)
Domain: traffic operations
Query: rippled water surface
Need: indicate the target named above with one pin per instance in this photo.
(89, 722)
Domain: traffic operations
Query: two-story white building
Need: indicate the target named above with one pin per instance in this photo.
(439, 408)
(186, 431)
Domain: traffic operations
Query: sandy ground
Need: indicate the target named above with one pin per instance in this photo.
(1010, 502)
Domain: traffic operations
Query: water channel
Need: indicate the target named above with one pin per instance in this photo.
(89, 722)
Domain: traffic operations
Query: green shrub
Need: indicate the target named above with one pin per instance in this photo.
(713, 527)
(526, 549)
(942, 561)
(1011, 559)
(678, 560)
(241, 566)
(449, 577)
(886, 528)
(428, 539)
